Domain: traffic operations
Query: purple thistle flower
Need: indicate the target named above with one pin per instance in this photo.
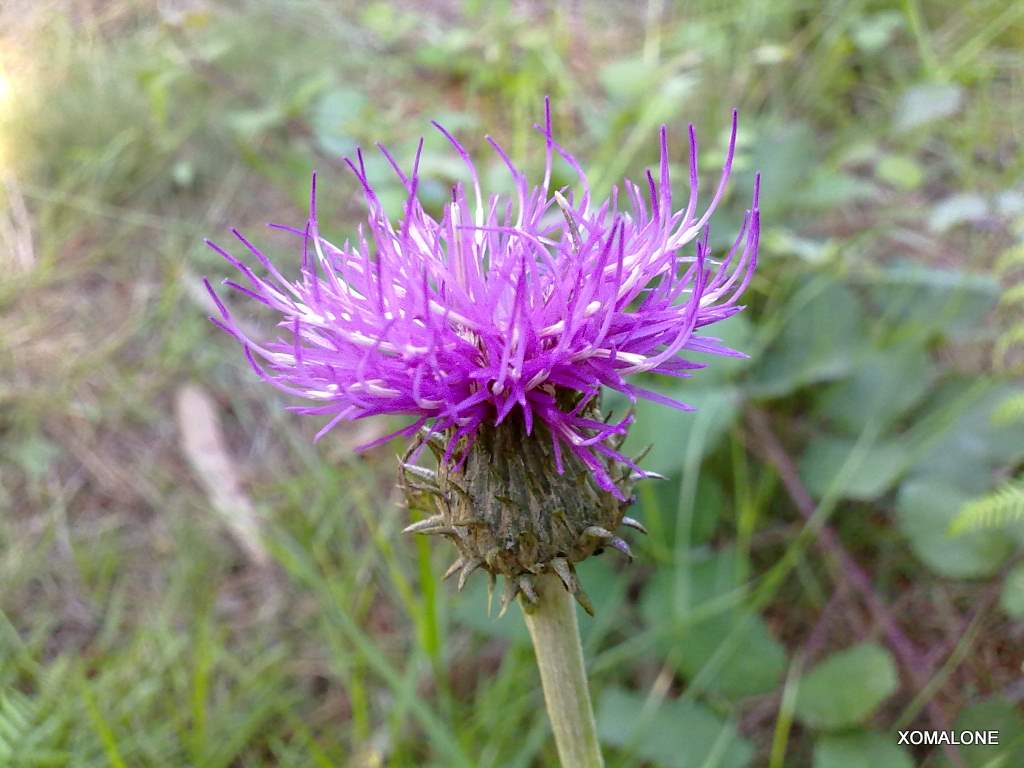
(517, 306)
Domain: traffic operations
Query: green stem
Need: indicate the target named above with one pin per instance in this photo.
(556, 642)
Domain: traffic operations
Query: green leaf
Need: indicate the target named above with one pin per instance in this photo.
(900, 171)
(676, 594)
(670, 431)
(940, 302)
(860, 749)
(34, 454)
(675, 734)
(786, 156)
(924, 103)
(846, 688)
(872, 32)
(628, 78)
(387, 22)
(250, 124)
(926, 507)
(994, 714)
(973, 442)
(866, 478)
(886, 384)
(734, 655)
(1011, 599)
(704, 516)
(719, 646)
(335, 118)
(830, 188)
(818, 341)
(1010, 410)
(779, 240)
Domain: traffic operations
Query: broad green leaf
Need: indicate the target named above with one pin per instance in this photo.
(336, 115)
(859, 152)
(993, 714)
(927, 102)
(846, 688)
(779, 240)
(725, 647)
(670, 431)
(249, 124)
(965, 439)
(831, 187)
(771, 54)
(659, 509)
(866, 478)
(860, 749)
(676, 593)
(900, 171)
(872, 32)
(886, 383)
(932, 300)
(818, 342)
(734, 655)
(671, 733)
(786, 157)
(972, 442)
(926, 507)
(627, 78)
(34, 454)
(1011, 599)
(387, 21)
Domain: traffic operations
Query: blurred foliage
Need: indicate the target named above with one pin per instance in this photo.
(886, 347)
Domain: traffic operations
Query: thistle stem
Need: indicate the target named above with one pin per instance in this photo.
(556, 643)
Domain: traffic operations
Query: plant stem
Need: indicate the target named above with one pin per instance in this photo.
(556, 642)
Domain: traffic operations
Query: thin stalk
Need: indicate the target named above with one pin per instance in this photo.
(556, 643)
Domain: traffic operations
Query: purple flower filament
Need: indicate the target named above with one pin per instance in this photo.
(500, 305)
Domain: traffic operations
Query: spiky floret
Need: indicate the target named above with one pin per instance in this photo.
(494, 327)
(500, 306)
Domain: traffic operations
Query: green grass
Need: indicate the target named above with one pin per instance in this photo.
(883, 322)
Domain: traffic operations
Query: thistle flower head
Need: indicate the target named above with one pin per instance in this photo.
(500, 307)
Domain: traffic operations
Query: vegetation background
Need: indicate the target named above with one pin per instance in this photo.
(185, 580)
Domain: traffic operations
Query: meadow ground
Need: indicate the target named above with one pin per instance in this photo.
(186, 580)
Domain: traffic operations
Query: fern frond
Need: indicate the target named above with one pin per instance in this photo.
(998, 509)
(17, 714)
(28, 731)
